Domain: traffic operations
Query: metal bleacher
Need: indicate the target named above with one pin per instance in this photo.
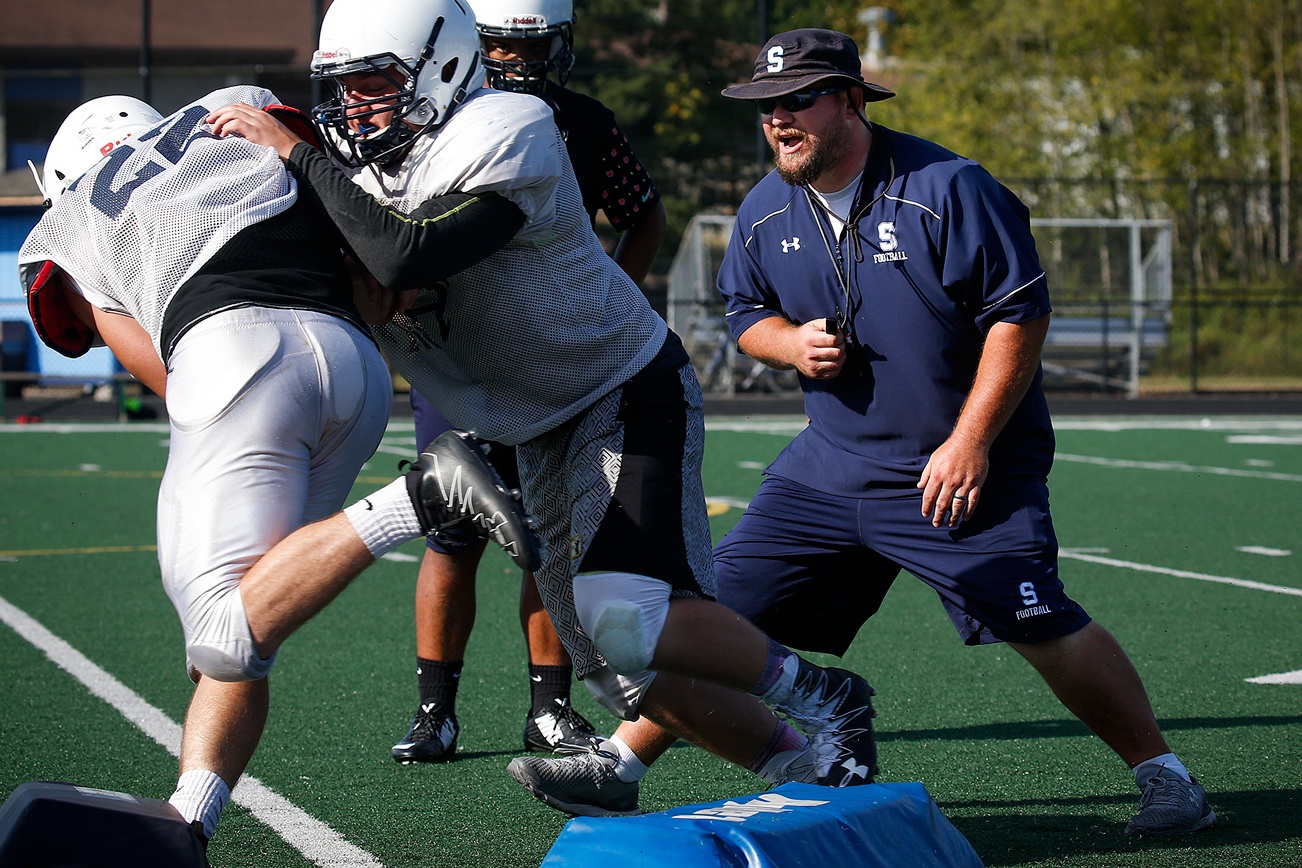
(1096, 352)
(1111, 284)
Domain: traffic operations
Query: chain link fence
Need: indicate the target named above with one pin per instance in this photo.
(1122, 324)
(1229, 321)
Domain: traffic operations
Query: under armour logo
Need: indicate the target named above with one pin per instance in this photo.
(793, 244)
(853, 770)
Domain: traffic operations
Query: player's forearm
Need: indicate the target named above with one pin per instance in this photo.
(636, 251)
(1008, 364)
(445, 235)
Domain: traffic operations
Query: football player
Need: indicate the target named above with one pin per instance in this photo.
(194, 259)
(527, 47)
(525, 331)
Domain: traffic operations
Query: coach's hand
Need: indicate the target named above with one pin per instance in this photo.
(952, 480)
(256, 125)
(807, 347)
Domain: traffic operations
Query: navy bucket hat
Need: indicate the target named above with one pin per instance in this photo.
(799, 59)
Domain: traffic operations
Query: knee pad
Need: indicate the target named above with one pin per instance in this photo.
(621, 695)
(226, 664)
(219, 644)
(623, 614)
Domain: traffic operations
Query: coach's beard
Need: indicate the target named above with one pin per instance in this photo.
(801, 171)
(816, 153)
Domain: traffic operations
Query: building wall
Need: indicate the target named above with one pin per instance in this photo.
(64, 32)
(56, 54)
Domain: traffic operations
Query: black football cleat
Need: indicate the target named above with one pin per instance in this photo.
(453, 484)
(558, 728)
(432, 738)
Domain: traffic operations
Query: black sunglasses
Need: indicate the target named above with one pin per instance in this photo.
(794, 102)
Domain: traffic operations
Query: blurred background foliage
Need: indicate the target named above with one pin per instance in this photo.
(1180, 109)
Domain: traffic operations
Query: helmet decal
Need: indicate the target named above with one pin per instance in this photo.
(89, 133)
(527, 19)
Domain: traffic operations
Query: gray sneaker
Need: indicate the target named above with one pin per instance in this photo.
(582, 784)
(1170, 805)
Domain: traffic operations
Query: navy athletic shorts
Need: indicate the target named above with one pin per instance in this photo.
(809, 568)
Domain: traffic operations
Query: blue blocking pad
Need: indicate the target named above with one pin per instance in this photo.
(885, 825)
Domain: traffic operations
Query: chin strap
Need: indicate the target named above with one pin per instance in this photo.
(39, 185)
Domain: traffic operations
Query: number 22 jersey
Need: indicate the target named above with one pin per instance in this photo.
(176, 224)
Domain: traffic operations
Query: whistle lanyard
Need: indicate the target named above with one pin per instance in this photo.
(844, 314)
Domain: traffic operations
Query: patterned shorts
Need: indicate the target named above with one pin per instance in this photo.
(618, 489)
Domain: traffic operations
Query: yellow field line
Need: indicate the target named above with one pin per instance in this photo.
(95, 550)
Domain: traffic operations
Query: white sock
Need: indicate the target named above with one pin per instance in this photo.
(385, 519)
(201, 795)
(780, 692)
(778, 769)
(629, 768)
(1148, 768)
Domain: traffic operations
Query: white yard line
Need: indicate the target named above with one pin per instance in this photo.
(792, 424)
(780, 424)
(1278, 678)
(1178, 467)
(1265, 551)
(1265, 439)
(1222, 423)
(1081, 555)
(314, 839)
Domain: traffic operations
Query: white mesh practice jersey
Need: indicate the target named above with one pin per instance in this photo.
(539, 330)
(146, 217)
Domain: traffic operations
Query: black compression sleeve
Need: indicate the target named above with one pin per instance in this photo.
(444, 235)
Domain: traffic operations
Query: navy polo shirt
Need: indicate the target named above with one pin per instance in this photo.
(936, 253)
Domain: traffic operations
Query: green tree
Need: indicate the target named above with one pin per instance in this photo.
(1092, 107)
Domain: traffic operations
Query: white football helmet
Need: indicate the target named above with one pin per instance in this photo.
(429, 50)
(87, 135)
(528, 19)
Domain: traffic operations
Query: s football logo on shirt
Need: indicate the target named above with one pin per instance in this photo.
(889, 244)
(886, 237)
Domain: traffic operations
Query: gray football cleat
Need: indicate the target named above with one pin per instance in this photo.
(453, 484)
(582, 784)
(1170, 805)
